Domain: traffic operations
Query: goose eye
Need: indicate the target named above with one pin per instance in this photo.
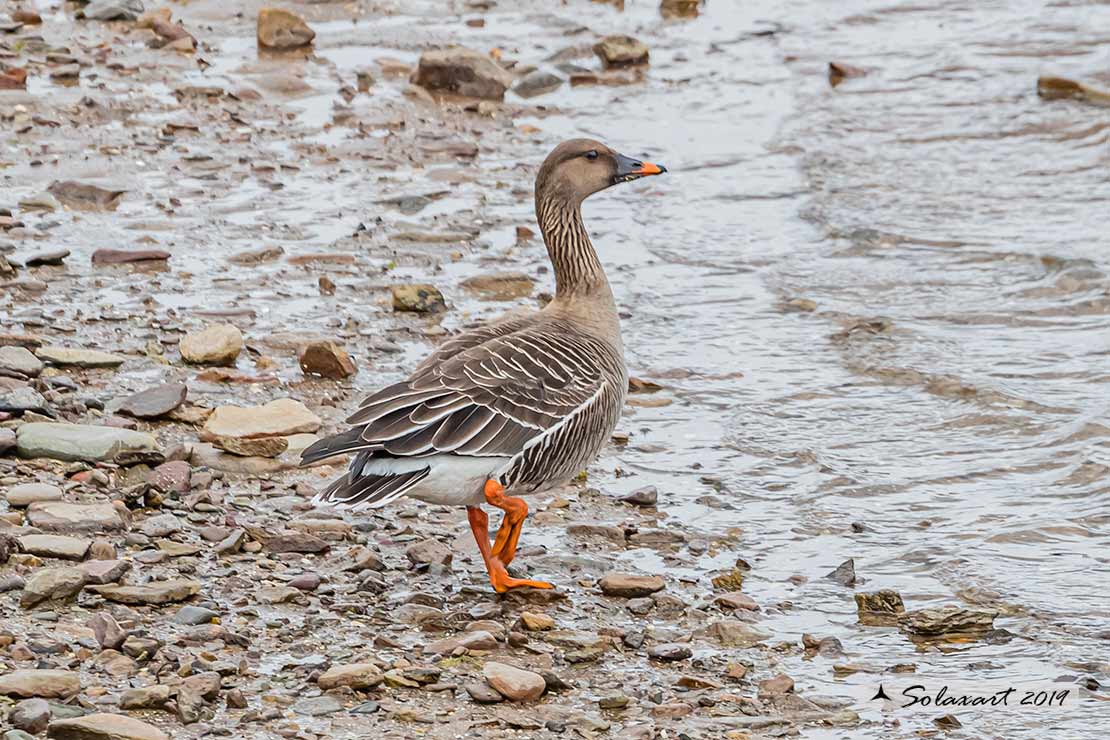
(591, 155)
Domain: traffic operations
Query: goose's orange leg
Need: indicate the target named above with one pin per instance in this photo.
(479, 525)
(504, 545)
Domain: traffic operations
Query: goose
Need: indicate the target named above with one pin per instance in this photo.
(512, 407)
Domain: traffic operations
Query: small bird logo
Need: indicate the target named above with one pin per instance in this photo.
(880, 694)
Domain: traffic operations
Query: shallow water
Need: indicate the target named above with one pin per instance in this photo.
(950, 392)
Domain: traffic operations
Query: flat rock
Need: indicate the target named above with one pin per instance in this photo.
(154, 402)
(81, 442)
(646, 496)
(100, 572)
(61, 516)
(42, 683)
(154, 593)
(109, 635)
(734, 633)
(195, 615)
(110, 10)
(428, 552)
(537, 82)
(736, 601)
(461, 71)
(20, 360)
(145, 697)
(52, 584)
(251, 447)
(358, 676)
(318, 706)
(104, 727)
(127, 256)
(23, 400)
(482, 693)
(171, 476)
(500, 286)
(513, 683)
(26, 494)
(296, 542)
(281, 29)
(278, 418)
(844, 574)
(219, 344)
(476, 640)
(948, 620)
(630, 586)
(76, 357)
(326, 359)
(418, 298)
(55, 546)
(777, 686)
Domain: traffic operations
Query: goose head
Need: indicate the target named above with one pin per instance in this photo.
(578, 168)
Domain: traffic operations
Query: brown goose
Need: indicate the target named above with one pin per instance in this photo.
(511, 407)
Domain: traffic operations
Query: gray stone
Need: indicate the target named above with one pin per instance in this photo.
(146, 697)
(669, 651)
(100, 572)
(105, 727)
(194, 615)
(154, 402)
(76, 357)
(113, 10)
(52, 584)
(218, 344)
(81, 442)
(109, 635)
(318, 706)
(646, 496)
(513, 683)
(30, 715)
(429, 552)
(22, 400)
(20, 360)
(61, 516)
(462, 71)
(153, 593)
(26, 494)
(629, 585)
(161, 525)
(537, 82)
(42, 683)
(55, 546)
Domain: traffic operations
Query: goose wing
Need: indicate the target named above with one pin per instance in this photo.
(493, 399)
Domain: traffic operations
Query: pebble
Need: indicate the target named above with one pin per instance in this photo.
(483, 693)
(646, 496)
(734, 633)
(161, 525)
(172, 476)
(669, 651)
(777, 686)
(146, 697)
(513, 683)
(500, 286)
(26, 494)
(537, 82)
(81, 442)
(621, 51)
(252, 447)
(305, 582)
(154, 402)
(195, 615)
(318, 706)
(948, 620)
(476, 640)
(537, 622)
(844, 574)
(359, 676)
(326, 359)
(628, 585)
(108, 633)
(282, 29)
(880, 608)
(418, 298)
(428, 552)
(736, 601)
(219, 344)
(296, 542)
(99, 571)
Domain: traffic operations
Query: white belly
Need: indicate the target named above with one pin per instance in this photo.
(453, 480)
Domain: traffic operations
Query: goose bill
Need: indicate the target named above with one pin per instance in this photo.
(629, 169)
